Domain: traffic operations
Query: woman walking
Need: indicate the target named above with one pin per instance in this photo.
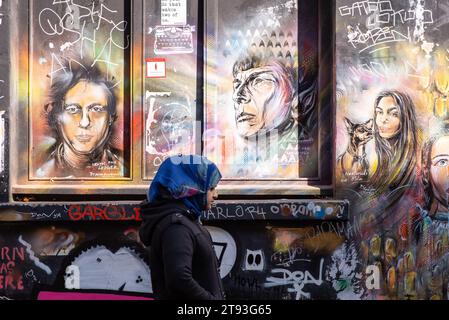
(182, 257)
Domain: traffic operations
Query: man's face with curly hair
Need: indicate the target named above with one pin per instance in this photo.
(85, 119)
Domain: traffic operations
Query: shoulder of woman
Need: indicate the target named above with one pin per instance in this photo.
(179, 231)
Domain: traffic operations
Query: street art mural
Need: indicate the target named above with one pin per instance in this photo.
(69, 252)
(255, 261)
(261, 104)
(392, 141)
(52, 261)
(108, 90)
(79, 100)
(313, 262)
(262, 111)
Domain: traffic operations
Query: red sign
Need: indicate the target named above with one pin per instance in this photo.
(156, 68)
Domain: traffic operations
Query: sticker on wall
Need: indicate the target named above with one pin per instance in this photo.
(174, 12)
(254, 260)
(156, 68)
(225, 249)
(173, 40)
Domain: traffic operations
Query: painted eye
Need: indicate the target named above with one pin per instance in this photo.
(395, 114)
(97, 108)
(259, 82)
(72, 109)
(442, 163)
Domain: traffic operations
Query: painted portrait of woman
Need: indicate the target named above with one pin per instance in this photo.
(430, 223)
(396, 139)
(390, 166)
(435, 175)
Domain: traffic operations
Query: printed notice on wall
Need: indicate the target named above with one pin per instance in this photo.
(174, 12)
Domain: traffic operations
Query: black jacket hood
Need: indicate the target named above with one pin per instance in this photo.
(152, 213)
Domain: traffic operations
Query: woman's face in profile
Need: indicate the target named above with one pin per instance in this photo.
(85, 118)
(439, 169)
(212, 195)
(388, 118)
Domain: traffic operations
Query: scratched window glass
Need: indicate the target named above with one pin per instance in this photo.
(79, 102)
(170, 49)
(261, 111)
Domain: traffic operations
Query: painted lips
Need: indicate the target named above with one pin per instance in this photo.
(245, 117)
(84, 138)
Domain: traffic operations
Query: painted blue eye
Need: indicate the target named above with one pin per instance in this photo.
(442, 163)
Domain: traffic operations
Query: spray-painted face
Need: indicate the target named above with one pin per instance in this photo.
(388, 118)
(439, 169)
(172, 129)
(260, 99)
(85, 119)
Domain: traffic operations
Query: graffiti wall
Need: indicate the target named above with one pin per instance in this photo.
(392, 140)
(253, 79)
(93, 250)
(280, 263)
(48, 260)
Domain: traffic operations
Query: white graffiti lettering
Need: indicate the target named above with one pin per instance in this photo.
(297, 279)
(74, 23)
(384, 24)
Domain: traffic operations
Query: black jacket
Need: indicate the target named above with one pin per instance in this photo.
(182, 257)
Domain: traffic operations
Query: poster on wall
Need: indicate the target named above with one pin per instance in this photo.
(79, 114)
(392, 139)
(261, 115)
(170, 98)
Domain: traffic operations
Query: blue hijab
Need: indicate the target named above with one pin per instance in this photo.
(185, 178)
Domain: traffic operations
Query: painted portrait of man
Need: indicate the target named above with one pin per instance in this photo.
(81, 114)
(265, 97)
